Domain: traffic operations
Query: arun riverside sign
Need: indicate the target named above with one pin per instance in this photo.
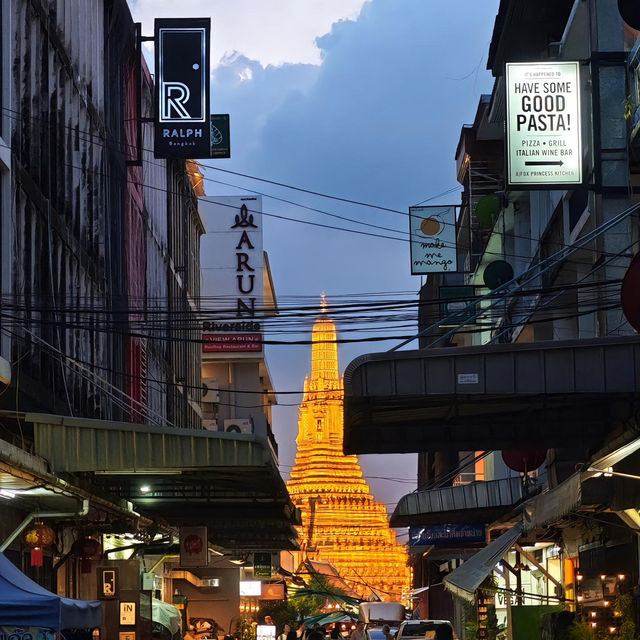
(544, 130)
(183, 127)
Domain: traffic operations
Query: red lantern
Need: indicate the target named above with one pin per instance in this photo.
(88, 549)
(524, 460)
(38, 536)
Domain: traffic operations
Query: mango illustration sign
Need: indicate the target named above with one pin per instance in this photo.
(432, 232)
(544, 129)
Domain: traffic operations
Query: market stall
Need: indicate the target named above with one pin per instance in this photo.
(24, 602)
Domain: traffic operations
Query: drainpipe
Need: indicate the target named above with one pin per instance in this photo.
(43, 514)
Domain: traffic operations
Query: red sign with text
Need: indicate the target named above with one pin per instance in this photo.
(232, 342)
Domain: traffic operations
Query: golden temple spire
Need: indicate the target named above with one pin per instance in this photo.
(342, 523)
(324, 352)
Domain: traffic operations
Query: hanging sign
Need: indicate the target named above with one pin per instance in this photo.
(432, 232)
(220, 136)
(182, 87)
(544, 130)
(262, 565)
(194, 550)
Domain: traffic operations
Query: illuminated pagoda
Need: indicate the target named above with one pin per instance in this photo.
(341, 521)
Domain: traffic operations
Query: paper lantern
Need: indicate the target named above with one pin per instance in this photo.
(38, 536)
(88, 549)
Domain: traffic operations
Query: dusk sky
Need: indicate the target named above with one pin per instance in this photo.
(358, 99)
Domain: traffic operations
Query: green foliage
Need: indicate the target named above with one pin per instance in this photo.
(580, 630)
(310, 600)
(626, 605)
(281, 611)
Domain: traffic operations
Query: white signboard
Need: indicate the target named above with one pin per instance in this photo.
(127, 613)
(232, 277)
(432, 232)
(543, 124)
(250, 587)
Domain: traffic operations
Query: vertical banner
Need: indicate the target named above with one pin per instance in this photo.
(194, 551)
(432, 233)
(544, 130)
(182, 87)
(232, 264)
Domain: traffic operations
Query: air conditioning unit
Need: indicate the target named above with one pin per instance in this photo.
(238, 425)
(210, 425)
(210, 391)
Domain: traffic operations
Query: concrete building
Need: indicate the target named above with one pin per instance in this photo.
(526, 374)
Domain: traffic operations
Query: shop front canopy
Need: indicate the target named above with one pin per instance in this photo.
(598, 488)
(466, 579)
(24, 602)
(506, 396)
(482, 501)
(229, 482)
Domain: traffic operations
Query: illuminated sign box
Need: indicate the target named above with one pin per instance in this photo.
(250, 587)
(183, 128)
(544, 128)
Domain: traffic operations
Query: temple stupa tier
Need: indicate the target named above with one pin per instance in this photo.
(341, 521)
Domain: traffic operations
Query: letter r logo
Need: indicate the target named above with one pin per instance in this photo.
(174, 96)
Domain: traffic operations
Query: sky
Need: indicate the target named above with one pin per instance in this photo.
(360, 99)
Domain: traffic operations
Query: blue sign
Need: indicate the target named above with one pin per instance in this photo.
(443, 535)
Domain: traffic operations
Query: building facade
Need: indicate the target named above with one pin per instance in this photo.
(504, 402)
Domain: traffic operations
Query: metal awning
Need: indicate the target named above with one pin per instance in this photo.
(228, 481)
(587, 491)
(508, 396)
(486, 500)
(465, 580)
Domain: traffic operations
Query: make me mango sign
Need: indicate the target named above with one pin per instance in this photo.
(544, 131)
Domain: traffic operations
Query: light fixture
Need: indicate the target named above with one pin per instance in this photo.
(603, 577)
(621, 577)
(579, 598)
(594, 625)
(579, 577)
(9, 495)
(606, 603)
(145, 488)
(593, 614)
(612, 630)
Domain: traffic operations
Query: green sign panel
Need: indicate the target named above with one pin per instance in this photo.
(220, 139)
(453, 300)
(262, 565)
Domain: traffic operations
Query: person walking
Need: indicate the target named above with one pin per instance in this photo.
(360, 632)
(285, 633)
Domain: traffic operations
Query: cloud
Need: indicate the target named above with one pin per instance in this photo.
(272, 33)
(368, 109)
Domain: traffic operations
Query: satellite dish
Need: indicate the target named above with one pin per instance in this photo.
(487, 210)
(629, 294)
(630, 12)
(496, 273)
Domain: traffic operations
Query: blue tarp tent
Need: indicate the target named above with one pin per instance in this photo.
(24, 602)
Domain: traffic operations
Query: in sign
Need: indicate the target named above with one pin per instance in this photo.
(127, 613)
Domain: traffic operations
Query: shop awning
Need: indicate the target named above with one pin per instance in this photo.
(506, 396)
(586, 491)
(24, 602)
(465, 580)
(228, 481)
(476, 501)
